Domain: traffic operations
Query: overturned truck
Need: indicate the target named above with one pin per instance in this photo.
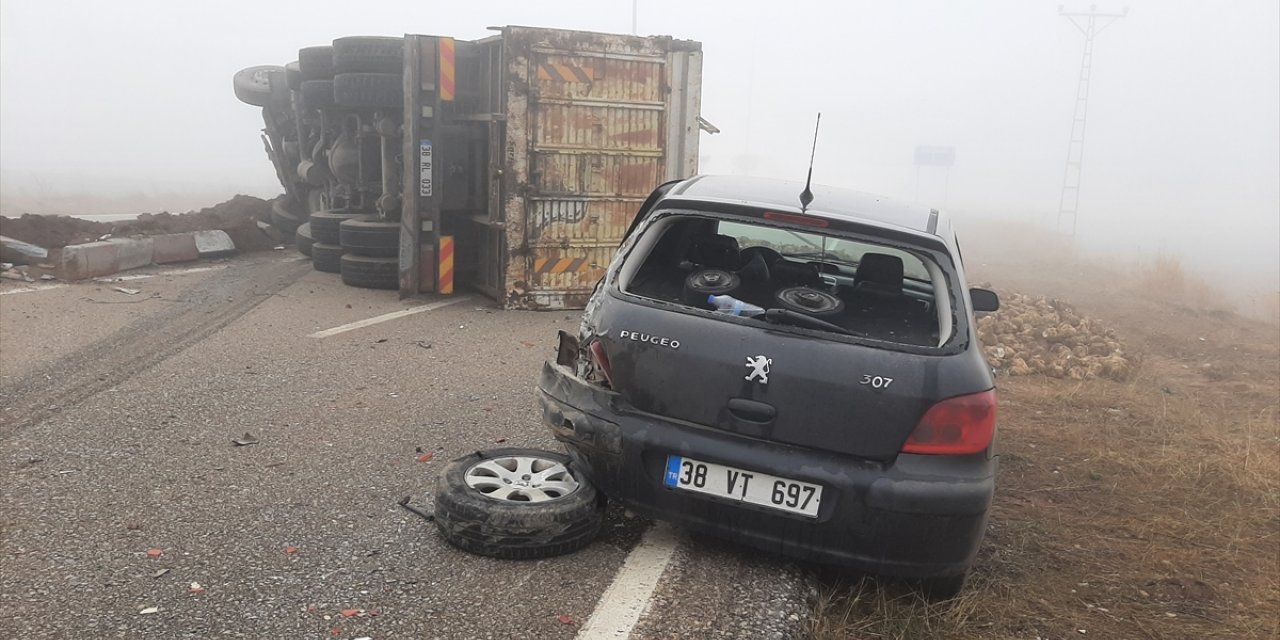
(511, 165)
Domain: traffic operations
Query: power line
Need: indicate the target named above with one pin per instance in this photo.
(1090, 24)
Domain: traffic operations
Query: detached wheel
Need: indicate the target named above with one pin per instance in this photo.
(370, 273)
(326, 257)
(316, 63)
(366, 236)
(324, 225)
(316, 94)
(368, 90)
(253, 84)
(282, 218)
(368, 54)
(516, 504)
(303, 240)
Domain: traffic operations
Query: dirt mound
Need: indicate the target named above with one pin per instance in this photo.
(1047, 336)
(236, 216)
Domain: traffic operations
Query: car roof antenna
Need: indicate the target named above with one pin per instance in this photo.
(806, 196)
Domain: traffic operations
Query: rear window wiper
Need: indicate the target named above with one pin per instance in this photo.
(787, 316)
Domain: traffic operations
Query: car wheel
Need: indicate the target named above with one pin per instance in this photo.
(316, 63)
(368, 90)
(253, 84)
(282, 218)
(303, 240)
(324, 225)
(368, 54)
(316, 94)
(516, 504)
(368, 236)
(326, 257)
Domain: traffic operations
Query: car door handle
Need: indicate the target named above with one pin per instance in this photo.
(751, 411)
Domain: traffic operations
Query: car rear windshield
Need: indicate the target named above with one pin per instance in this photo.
(796, 277)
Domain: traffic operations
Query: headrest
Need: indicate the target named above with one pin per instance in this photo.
(718, 251)
(879, 273)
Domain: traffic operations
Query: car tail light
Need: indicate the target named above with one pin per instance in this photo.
(602, 361)
(955, 426)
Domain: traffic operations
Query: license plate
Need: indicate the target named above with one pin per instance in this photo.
(740, 485)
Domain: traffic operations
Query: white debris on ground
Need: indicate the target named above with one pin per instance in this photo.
(1031, 335)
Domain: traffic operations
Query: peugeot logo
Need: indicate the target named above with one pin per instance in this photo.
(759, 366)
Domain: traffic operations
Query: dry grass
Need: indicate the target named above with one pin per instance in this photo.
(1165, 279)
(1147, 508)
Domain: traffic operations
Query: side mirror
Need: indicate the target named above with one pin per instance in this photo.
(984, 300)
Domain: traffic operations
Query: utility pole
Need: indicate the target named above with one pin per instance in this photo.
(1090, 24)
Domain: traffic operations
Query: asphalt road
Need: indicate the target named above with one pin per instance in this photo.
(117, 415)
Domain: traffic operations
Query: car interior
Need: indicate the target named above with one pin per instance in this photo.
(861, 288)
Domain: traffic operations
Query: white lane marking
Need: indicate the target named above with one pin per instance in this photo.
(33, 288)
(628, 596)
(144, 276)
(384, 318)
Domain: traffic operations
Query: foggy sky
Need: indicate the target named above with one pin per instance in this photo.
(1182, 151)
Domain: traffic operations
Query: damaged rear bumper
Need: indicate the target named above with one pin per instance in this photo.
(919, 516)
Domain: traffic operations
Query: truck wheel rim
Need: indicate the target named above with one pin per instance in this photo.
(521, 479)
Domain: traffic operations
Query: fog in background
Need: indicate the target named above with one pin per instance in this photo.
(127, 106)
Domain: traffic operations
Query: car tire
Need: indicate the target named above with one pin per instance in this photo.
(370, 273)
(368, 236)
(316, 63)
(939, 588)
(283, 218)
(326, 257)
(324, 225)
(303, 240)
(368, 54)
(253, 84)
(293, 76)
(368, 90)
(471, 519)
(316, 94)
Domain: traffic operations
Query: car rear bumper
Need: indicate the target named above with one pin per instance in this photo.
(920, 516)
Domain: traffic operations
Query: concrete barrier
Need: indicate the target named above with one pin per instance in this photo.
(132, 253)
(175, 247)
(103, 258)
(211, 244)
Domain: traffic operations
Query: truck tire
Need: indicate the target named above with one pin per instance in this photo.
(316, 94)
(324, 225)
(253, 84)
(471, 515)
(368, 54)
(370, 273)
(316, 63)
(326, 257)
(303, 240)
(368, 236)
(282, 218)
(368, 90)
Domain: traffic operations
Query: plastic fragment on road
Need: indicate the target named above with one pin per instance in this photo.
(426, 457)
(564, 619)
(245, 440)
(290, 549)
(196, 588)
(126, 291)
(154, 553)
(149, 611)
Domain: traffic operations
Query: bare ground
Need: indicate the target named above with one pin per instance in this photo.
(1142, 508)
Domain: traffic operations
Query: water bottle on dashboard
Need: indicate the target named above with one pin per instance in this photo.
(734, 306)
